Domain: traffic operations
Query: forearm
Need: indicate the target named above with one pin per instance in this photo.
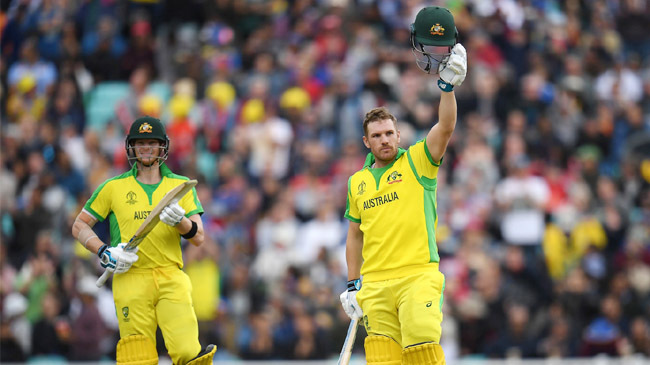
(353, 251)
(447, 111)
(185, 226)
(353, 258)
(83, 232)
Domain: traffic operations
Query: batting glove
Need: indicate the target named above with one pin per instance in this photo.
(454, 70)
(172, 214)
(349, 300)
(117, 259)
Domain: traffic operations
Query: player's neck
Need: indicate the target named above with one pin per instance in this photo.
(379, 164)
(148, 174)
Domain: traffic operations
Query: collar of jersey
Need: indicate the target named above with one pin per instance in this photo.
(150, 188)
(379, 171)
(164, 170)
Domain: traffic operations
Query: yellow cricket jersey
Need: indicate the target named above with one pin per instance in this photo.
(396, 206)
(126, 203)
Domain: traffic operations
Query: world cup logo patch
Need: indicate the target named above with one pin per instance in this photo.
(131, 198)
(362, 188)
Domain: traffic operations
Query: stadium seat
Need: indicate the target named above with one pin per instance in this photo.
(161, 90)
(101, 101)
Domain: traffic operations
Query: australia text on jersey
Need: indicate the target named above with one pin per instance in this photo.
(141, 214)
(375, 202)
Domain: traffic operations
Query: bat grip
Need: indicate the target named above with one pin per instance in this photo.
(102, 279)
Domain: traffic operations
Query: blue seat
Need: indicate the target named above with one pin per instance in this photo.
(161, 90)
(101, 101)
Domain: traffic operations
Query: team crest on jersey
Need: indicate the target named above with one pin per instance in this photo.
(131, 198)
(362, 188)
(125, 313)
(145, 128)
(394, 177)
(437, 29)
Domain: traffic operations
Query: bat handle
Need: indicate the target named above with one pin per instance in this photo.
(102, 279)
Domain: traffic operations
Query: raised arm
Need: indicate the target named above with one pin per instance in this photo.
(440, 134)
(452, 73)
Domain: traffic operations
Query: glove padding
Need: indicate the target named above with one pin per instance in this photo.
(172, 214)
(117, 259)
(454, 70)
(350, 305)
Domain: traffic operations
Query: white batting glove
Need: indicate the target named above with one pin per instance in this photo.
(117, 259)
(349, 300)
(454, 71)
(172, 214)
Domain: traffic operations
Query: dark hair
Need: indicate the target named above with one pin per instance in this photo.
(375, 115)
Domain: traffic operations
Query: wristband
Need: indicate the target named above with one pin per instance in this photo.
(101, 250)
(354, 284)
(192, 232)
(444, 86)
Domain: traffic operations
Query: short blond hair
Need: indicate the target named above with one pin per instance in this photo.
(375, 115)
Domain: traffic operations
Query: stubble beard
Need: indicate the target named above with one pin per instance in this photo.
(386, 156)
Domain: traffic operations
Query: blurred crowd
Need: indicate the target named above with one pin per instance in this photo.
(543, 195)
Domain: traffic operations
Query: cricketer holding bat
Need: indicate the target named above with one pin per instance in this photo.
(149, 287)
(391, 207)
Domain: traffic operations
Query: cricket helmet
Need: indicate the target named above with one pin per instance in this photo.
(433, 34)
(147, 128)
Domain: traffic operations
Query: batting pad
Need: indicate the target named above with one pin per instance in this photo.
(425, 354)
(382, 350)
(136, 350)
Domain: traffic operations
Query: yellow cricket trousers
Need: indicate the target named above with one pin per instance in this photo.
(149, 298)
(408, 309)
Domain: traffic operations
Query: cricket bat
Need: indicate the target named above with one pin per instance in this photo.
(152, 219)
(346, 351)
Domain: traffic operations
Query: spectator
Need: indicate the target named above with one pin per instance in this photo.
(51, 333)
(17, 331)
(515, 340)
(521, 198)
(30, 63)
(87, 329)
(140, 52)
